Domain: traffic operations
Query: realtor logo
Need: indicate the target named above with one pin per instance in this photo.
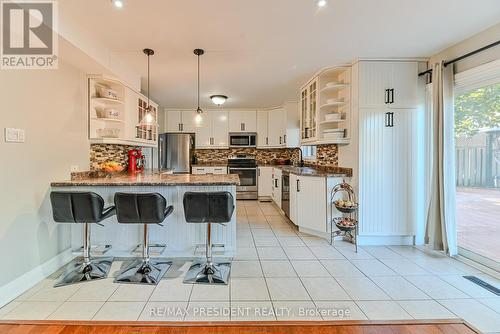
(28, 34)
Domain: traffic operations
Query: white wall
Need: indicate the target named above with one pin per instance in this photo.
(49, 105)
(472, 43)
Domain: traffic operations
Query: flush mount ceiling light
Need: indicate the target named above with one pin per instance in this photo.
(117, 3)
(218, 99)
(198, 53)
(148, 118)
(321, 3)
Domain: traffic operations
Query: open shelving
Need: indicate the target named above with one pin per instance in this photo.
(122, 115)
(328, 92)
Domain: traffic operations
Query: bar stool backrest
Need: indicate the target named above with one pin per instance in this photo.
(208, 207)
(140, 208)
(76, 207)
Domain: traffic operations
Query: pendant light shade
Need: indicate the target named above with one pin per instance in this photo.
(148, 118)
(218, 99)
(198, 53)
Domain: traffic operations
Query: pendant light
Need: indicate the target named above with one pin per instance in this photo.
(198, 53)
(148, 118)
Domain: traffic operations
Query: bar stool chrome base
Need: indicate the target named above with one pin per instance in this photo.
(140, 271)
(205, 273)
(79, 271)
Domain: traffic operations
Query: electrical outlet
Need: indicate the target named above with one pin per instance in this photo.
(74, 168)
(14, 135)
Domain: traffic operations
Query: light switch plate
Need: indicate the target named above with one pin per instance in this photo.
(13, 135)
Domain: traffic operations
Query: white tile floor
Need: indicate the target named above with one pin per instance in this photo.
(280, 274)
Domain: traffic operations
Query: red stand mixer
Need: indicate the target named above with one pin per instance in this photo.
(136, 161)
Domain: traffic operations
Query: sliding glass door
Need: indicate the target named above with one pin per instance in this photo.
(477, 164)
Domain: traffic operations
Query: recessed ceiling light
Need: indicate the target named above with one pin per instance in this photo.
(218, 99)
(117, 3)
(321, 3)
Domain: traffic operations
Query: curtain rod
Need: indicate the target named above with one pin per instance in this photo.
(467, 55)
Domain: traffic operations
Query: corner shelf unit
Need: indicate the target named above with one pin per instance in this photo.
(328, 92)
(115, 121)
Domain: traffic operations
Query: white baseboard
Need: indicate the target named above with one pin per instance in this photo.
(386, 240)
(13, 289)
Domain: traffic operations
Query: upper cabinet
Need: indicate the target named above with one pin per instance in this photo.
(212, 130)
(278, 127)
(325, 108)
(180, 121)
(115, 111)
(388, 84)
(243, 121)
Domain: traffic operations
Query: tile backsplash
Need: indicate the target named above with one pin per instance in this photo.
(326, 155)
(100, 153)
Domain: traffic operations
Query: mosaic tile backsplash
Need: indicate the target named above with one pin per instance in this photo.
(326, 155)
(100, 153)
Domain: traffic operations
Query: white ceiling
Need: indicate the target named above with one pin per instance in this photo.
(259, 52)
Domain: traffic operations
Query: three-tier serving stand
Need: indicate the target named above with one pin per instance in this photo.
(351, 213)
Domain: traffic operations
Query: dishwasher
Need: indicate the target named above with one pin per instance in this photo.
(285, 193)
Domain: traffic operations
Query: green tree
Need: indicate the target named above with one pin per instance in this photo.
(477, 109)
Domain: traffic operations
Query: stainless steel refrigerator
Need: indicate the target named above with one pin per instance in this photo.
(175, 152)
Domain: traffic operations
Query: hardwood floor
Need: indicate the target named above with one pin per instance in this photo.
(339, 327)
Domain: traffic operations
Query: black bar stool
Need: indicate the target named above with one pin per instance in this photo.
(208, 207)
(142, 208)
(84, 208)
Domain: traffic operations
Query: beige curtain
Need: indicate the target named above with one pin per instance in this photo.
(440, 231)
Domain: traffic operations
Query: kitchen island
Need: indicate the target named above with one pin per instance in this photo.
(181, 239)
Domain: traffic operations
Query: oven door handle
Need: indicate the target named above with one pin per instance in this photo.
(243, 168)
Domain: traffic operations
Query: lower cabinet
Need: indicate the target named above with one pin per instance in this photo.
(310, 203)
(276, 191)
(209, 170)
(265, 182)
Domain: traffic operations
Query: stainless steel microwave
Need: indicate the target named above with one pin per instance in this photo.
(242, 139)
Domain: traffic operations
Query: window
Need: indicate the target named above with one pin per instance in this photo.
(309, 152)
(477, 155)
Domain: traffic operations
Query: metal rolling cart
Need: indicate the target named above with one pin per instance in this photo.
(347, 224)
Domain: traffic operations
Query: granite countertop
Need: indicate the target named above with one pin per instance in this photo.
(313, 171)
(152, 179)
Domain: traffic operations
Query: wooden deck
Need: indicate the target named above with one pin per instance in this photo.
(339, 327)
(478, 221)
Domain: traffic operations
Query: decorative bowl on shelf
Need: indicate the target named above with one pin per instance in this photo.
(107, 93)
(345, 224)
(333, 117)
(108, 132)
(346, 206)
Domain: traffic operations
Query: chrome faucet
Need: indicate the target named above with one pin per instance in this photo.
(301, 162)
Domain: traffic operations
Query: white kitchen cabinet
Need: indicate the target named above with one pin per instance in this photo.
(262, 129)
(294, 181)
(276, 191)
(211, 131)
(209, 170)
(174, 120)
(181, 120)
(388, 84)
(243, 121)
(265, 182)
(388, 171)
(116, 120)
(190, 120)
(311, 199)
(276, 128)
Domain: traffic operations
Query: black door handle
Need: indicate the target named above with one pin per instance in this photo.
(387, 119)
(392, 95)
(390, 119)
(386, 96)
(298, 185)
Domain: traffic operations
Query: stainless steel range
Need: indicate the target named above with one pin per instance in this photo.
(245, 167)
